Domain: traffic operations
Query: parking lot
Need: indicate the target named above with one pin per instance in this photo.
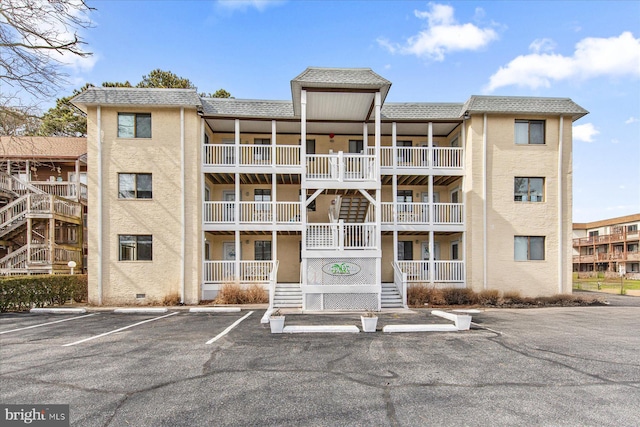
(552, 366)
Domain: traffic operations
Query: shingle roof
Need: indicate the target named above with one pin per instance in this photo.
(137, 96)
(356, 79)
(420, 111)
(525, 105)
(247, 108)
(349, 77)
(31, 147)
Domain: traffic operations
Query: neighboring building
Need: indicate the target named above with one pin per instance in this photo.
(43, 198)
(336, 200)
(609, 247)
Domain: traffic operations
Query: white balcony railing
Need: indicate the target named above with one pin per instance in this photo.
(341, 167)
(251, 212)
(444, 271)
(421, 157)
(419, 213)
(250, 155)
(249, 271)
(341, 236)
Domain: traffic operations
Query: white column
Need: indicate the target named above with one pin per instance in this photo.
(202, 200)
(431, 206)
(376, 173)
(430, 156)
(273, 142)
(183, 203)
(77, 180)
(365, 138)
(274, 199)
(236, 141)
(432, 264)
(236, 217)
(303, 186)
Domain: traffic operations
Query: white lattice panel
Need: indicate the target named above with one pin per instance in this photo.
(350, 301)
(314, 301)
(341, 271)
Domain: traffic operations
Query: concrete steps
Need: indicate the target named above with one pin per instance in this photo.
(287, 295)
(390, 297)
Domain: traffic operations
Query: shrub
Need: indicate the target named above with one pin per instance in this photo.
(171, 299)
(23, 292)
(455, 296)
(419, 295)
(489, 297)
(233, 293)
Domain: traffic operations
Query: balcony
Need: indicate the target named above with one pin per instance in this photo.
(252, 212)
(340, 168)
(417, 159)
(250, 155)
(423, 213)
(341, 236)
(443, 271)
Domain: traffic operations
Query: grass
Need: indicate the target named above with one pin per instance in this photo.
(591, 284)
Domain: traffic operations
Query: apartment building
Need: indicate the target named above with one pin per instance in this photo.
(333, 200)
(609, 247)
(43, 200)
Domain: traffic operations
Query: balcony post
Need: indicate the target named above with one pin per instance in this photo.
(341, 235)
(432, 270)
(236, 142)
(341, 166)
(273, 143)
(430, 150)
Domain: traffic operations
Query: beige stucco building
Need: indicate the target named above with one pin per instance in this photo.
(188, 193)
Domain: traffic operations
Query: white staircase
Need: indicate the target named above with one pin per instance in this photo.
(390, 297)
(287, 295)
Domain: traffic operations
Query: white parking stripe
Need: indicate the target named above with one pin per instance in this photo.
(48, 323)
(118, 330)
(226, 331)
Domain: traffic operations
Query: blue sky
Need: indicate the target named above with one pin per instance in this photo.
(431, 51)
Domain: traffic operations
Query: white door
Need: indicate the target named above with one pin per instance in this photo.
(228, 213)
(228, 254)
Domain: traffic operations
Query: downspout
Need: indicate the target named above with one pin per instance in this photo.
(100, 213)
(484, 202)
(182, 213)
(560, 210)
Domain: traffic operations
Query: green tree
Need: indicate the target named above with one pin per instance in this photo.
(117, 84)
(164, 79)
(220, 93)
(64, 119)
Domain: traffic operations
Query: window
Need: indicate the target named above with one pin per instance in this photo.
(405, 250)
(311, 146)
(134, 125)
(529, 131)
(206, 138)
(404, 197)
(262, 197)
(134, 186)
(528, 248)
(593, 233)
(528, 189)
(356, 146)
(135, 247)
(262, 154)
(262, 250)
(455, 250)
(632, 228)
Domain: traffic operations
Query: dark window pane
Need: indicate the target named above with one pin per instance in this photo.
(536, 251)
(145, 248)
(143, 125)
(536, 132)
(144, 186)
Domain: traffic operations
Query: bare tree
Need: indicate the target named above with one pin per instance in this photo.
(36, 38)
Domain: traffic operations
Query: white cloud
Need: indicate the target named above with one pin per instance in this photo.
(443, 35)
(585, 132)
(542, 45)
(593, 57)
(631, 120)
(243, 5)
